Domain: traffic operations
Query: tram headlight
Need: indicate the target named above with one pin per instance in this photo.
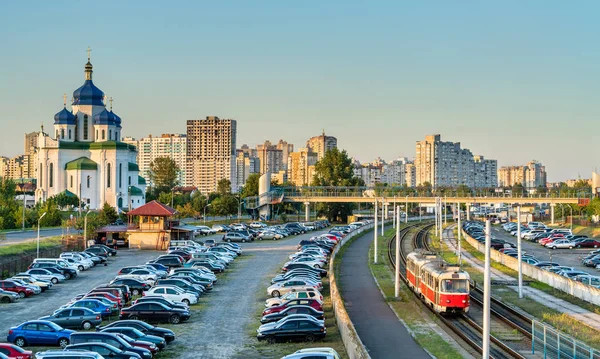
(464, 301)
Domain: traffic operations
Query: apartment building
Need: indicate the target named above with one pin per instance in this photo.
(245, 164)
(301, 166)
(270, 157)
(211, 153)
(531, 175)
(321, 144)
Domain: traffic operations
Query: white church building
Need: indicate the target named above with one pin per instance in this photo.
(84, 157)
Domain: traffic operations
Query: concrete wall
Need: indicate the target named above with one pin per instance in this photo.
(575, 288)
(354, 346)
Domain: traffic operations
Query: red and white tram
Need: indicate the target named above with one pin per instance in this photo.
(443, 287)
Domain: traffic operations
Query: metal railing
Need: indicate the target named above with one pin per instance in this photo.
(553, 344)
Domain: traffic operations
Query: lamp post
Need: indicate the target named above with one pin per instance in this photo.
(23, 194)
(38, 235)
(204, 217)
(129, 198)
(85, 230)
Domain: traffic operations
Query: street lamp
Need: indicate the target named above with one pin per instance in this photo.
(38, 235)
(204, 217)
(23, 194)
(129, 198)
(85, 230)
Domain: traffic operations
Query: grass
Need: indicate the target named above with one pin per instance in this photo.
(265, 350)
(588, 231)
(418, 319)
(22, 248)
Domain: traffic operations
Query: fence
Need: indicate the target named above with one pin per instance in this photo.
(14, 264)
(553, 344)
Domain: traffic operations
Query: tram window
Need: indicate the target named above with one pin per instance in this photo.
(454, 286)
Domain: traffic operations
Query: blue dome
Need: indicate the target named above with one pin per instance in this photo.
(117, 119)
(88, 94)
(65, 117)
(104, 118)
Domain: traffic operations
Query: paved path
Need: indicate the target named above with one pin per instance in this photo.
(572, 310)
(377, 325)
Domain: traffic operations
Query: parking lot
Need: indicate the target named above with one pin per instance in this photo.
(566, 257)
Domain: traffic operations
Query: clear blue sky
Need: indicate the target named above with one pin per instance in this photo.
(510, 80)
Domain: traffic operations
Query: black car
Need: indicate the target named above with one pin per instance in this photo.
(143, 327)
(170, 262)
(110, 339)
(69, 273)
(124, 288)
(203, 282)
(135, 286)
(290, 266)
(183, 284)
(209, 265)
(106, 350)
(295, 227)
(110, 251)
(298, 309)
(99, 252)
(292, 329)
(162, 300)
(155, 312)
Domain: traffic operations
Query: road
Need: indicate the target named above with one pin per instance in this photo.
(566, 257)
(18, 237)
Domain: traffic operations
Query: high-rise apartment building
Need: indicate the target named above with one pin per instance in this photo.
(211, 153)
(301, 167)
(245, 166)
(149, 148)
(286, 149)
(446, 164)
(486, 172)
(31, 144)
(271, 158)
(411, 175)
(532, 175)
(321, 144)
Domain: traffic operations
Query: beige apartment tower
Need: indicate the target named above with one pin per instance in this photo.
(321, 144)
(211, 153)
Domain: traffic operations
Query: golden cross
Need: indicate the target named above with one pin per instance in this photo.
(65, 99)
(89, 51)
(111, 100)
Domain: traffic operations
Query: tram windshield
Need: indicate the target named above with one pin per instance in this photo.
(455, 286)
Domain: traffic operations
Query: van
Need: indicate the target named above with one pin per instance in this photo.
(57, 261)
(185, 243)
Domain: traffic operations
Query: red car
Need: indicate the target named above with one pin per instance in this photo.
(15, 352)
(550, 239)
(106, 295)
(315, 304)
(139, 343)
(11, 286)
(588, 243)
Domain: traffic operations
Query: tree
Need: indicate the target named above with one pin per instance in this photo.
(518, 189)
(107, 215)
(63, 200)
(224, 205)
(224, 187)
(463, 191)
(335, 169)
(8, 203)
(163, 174)
(186, 211)
(251, 187)
(198, 201)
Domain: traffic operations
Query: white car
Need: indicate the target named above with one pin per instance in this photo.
(560, 243)
(45, 274)
(257, 225)
(303, 294)
(83, 263)
(205, 230)
(145, 274)
(149, 282)
(173, 293)
(311, 261)
(325, 353)
(280, 288)
(303, 254)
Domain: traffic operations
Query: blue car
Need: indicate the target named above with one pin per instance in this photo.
(93, 304)
(159, 266)
(39, 332)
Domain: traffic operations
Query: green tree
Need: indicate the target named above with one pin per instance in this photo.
(424, 189)
(63, 200)
(198, 201)
(223, 187)
(163, 174)
(251, 187)
(463, 191)
(224, 205)
(8, 204)
(165, 198)
(518, 189)
(335, 169)
(186, 211)
(107, 215)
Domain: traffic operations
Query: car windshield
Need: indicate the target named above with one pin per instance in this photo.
(54, 326)
(455, 285)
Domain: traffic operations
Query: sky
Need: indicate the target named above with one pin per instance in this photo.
(509, 80)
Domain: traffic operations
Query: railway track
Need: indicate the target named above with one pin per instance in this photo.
(465, 326)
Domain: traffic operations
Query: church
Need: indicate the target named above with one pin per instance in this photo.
(84, 156)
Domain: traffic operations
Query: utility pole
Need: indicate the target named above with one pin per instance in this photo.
(406, 211)
(85, 230)
(445, 211)
(394, 222)
(397, 276)
(38, 235)
(375, 229)
(459, 237)
(382, 218)
(486, 292)
(519, 252)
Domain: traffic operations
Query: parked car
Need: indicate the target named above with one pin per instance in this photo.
(136, 287)
(39, 332)
(11, 286)
(269, 235)
(159, 299)
(314, 353)
(303, 294)
(111, 251)
(8, 297)
(155, 312)
(93, 304)
(33, 280)
(62, 354)
(298, 309)
(279, 288)
(293, 329)
(110, 339)
(206, 231)
(236, 237)
(77, 318)
(143, 327)
(104, 349)
(587, 243)
(138, 335)
(560, 243)
(294, 302)
(14, 352)
(172, 293)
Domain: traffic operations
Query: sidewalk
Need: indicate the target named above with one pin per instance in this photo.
(572, 310)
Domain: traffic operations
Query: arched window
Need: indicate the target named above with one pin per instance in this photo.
(129, 181)
(40, 175)
(120, 174)
(51, 175)
(71, 181)
(110, 134)
(69, 134)
(62, 133)
(108, 175)
(96, 135)
(116, 135)
(57, 134)
(88, 181)
(103, 134)
(85, 127)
